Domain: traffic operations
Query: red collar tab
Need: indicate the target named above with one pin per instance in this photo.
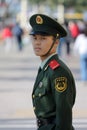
(54, 64)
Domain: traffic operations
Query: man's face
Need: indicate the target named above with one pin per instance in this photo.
(42, 44)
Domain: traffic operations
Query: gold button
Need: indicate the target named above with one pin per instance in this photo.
(39, 94)
(33, 108)
(33, 96)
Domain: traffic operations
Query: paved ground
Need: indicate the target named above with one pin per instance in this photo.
(30, 124)
(17, 74)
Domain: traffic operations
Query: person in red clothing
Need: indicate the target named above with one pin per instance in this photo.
(7, 37)
(73, 27)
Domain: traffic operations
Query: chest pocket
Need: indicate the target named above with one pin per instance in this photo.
(42, 88)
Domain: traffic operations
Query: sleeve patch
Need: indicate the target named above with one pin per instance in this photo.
(54, 64)
(61, 84)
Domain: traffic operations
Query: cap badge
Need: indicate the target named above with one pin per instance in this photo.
(39, 20)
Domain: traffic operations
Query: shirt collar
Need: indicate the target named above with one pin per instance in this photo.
(45, 61)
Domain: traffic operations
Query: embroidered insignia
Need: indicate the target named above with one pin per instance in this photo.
(61, 84)
(45, 68)
(39, 20)
(54, 64)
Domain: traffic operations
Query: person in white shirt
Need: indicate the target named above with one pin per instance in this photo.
(81, 47)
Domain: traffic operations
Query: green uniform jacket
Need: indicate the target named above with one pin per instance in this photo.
(54, 94)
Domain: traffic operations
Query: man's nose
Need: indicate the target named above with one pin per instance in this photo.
(38, 41)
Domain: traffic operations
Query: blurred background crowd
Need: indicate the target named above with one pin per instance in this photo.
(72, 14)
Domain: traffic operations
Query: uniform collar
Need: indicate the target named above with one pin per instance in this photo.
(45, 61)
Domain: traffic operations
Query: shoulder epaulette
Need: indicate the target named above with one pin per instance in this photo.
(54, 64)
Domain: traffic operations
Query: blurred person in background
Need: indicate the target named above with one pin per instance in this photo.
(68, 39)
(7, 37)
(74, 29)
(54, 90)
(1, 38)
(81, 47)
(60, 46)
(81, 26)
(65, 41)
(18, 33)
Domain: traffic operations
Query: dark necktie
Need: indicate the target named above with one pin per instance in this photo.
(39, 70)
(38, 73)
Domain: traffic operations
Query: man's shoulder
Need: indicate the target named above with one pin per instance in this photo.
(53, 64)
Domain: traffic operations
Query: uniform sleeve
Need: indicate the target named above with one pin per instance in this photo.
(63, 88)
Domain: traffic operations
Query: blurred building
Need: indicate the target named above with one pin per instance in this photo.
(8, 11)
(21, 10)
(3, 7)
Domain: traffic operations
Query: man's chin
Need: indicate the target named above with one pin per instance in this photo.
(37, 54)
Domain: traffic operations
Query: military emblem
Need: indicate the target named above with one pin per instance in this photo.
(61, 84)
(39, 20)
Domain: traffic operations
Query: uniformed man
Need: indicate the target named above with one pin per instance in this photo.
(54, 89)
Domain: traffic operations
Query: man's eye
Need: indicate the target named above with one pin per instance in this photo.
(43, 38)
(34, 38)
